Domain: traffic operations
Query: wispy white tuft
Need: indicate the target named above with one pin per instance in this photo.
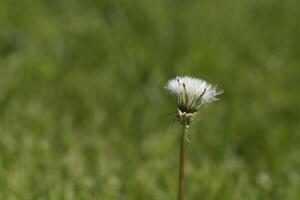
(192, 92)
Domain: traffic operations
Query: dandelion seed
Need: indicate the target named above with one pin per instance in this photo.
(191, 94)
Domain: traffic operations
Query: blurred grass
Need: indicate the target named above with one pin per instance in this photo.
(83, 112)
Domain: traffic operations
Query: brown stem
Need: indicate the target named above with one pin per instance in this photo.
(181, 164)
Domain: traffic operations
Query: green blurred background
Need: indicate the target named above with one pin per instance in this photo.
(84, 113)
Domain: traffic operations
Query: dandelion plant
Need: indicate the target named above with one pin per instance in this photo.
(192, 94)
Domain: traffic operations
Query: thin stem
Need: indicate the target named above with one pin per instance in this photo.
(181, 163)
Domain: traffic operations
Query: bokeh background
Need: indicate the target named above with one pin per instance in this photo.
(84, 113)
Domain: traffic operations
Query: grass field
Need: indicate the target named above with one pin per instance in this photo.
(84, 113)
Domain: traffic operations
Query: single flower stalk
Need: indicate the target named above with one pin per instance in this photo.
(192, 94)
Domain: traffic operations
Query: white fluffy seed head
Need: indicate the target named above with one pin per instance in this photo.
(192, 92)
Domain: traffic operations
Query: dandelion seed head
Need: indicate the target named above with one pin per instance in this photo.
(191, 94)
